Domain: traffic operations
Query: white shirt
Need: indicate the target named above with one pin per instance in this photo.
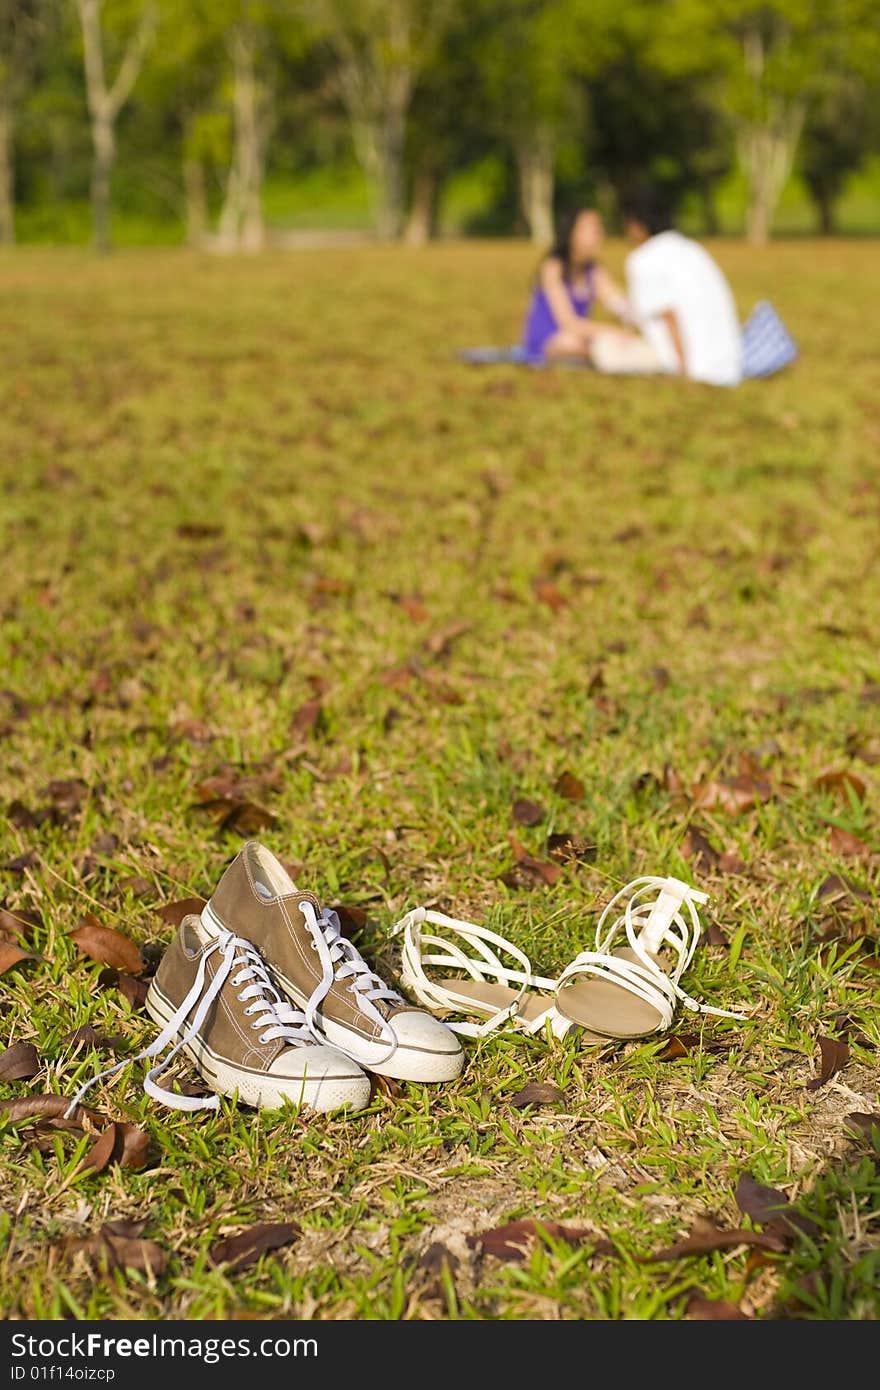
(671, 272)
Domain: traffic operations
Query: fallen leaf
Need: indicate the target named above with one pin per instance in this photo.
(132, 1146)
(730, 863)
(437, 1257)
(87, 1036)
(245, 1247)
(136, 884)
(20, 1109)
(527, 812)
(714, 936)
(569, 786)
(67, 793)
(510, 1242)
(19, 924)
(695, 847)
(844, 843)
(110, 1251)
(413, 607)
(95, 1160)
(771, 1209)
(860, 1122)
(105, 844)
(307, 718)
(731, 795)
(387, 1086)
(21, 1062)
(660, 677)
(440, 643)
(705, 1236)
(677, 1045)
(835, 1055)
(714, 1310)
(174, 913)
(842, 782)
(246, 818)
(835, 886)
(19, 862)
(548, 592)
(537, 1093)
(571, 848)
(527, 870)
(106, 945)
(198, 530)
(193, 730)
(132, 989)
(10, 955)
(352, 919)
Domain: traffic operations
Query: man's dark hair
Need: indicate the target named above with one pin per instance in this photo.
(649, 206)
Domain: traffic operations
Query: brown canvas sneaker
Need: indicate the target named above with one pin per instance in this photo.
(324, 974)
(215, 1000)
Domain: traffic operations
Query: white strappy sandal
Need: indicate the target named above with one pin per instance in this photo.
(608, 994)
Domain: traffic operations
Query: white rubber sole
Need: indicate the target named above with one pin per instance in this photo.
(260, 1089)
(406, 1063)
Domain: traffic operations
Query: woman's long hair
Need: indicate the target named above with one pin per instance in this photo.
(562, 234)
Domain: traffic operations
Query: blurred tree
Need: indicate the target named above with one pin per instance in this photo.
(837, 137)
(381, 48)
(20, 29)
(106, 98)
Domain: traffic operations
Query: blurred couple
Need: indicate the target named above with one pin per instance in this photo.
(677, 314)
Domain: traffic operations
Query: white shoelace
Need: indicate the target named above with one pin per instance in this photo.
(271, 1014)
(341, 960)
(652, 920)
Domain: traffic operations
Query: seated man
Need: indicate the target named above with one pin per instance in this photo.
(680, 301)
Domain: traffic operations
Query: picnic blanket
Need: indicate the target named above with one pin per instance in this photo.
(767, 347)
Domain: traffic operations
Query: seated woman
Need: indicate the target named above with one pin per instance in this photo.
(570, 280)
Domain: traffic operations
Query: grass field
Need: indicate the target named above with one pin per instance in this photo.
(267, 543)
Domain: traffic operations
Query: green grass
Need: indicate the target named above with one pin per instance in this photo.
(717, 557)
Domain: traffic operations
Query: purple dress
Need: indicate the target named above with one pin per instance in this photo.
(540, 324)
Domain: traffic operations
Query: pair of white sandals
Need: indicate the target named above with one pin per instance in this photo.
(616, 992)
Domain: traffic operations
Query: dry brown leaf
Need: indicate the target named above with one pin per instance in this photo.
(569, 786)
(834, 1056)
(705, 1236)
(10, 955)
(413, 607)
(862, 1123)
(307, 718)
(546, 591)
(731, 795)
(527, 812)
(96, 1158)
(21, 1062)
(20, 924)
(174, 913)
(696, 848)
(440, 643)
(49, 1108)
(106, 945)
(537, 1093)
(714, 1310)
(836, 886)
(571, 848)
(109, 1250)
(136, 884)
(770, 1208)
(841, 781)
(245, 1247)
(844, 843)
(19, 862)
(131, 988)
(511, 1241)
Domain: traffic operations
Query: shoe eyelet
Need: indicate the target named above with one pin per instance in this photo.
(256, 1024)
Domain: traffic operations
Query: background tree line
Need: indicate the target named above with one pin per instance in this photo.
(181, 108)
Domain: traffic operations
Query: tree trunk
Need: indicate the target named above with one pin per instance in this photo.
(825, 208)
(767, 157)
(241, 224)
(390, 202)
(103, 158)
(421, 222)
(195, 200)
(7, 178)
(536, 159)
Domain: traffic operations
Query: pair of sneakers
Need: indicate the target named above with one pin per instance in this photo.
(274, 1004)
